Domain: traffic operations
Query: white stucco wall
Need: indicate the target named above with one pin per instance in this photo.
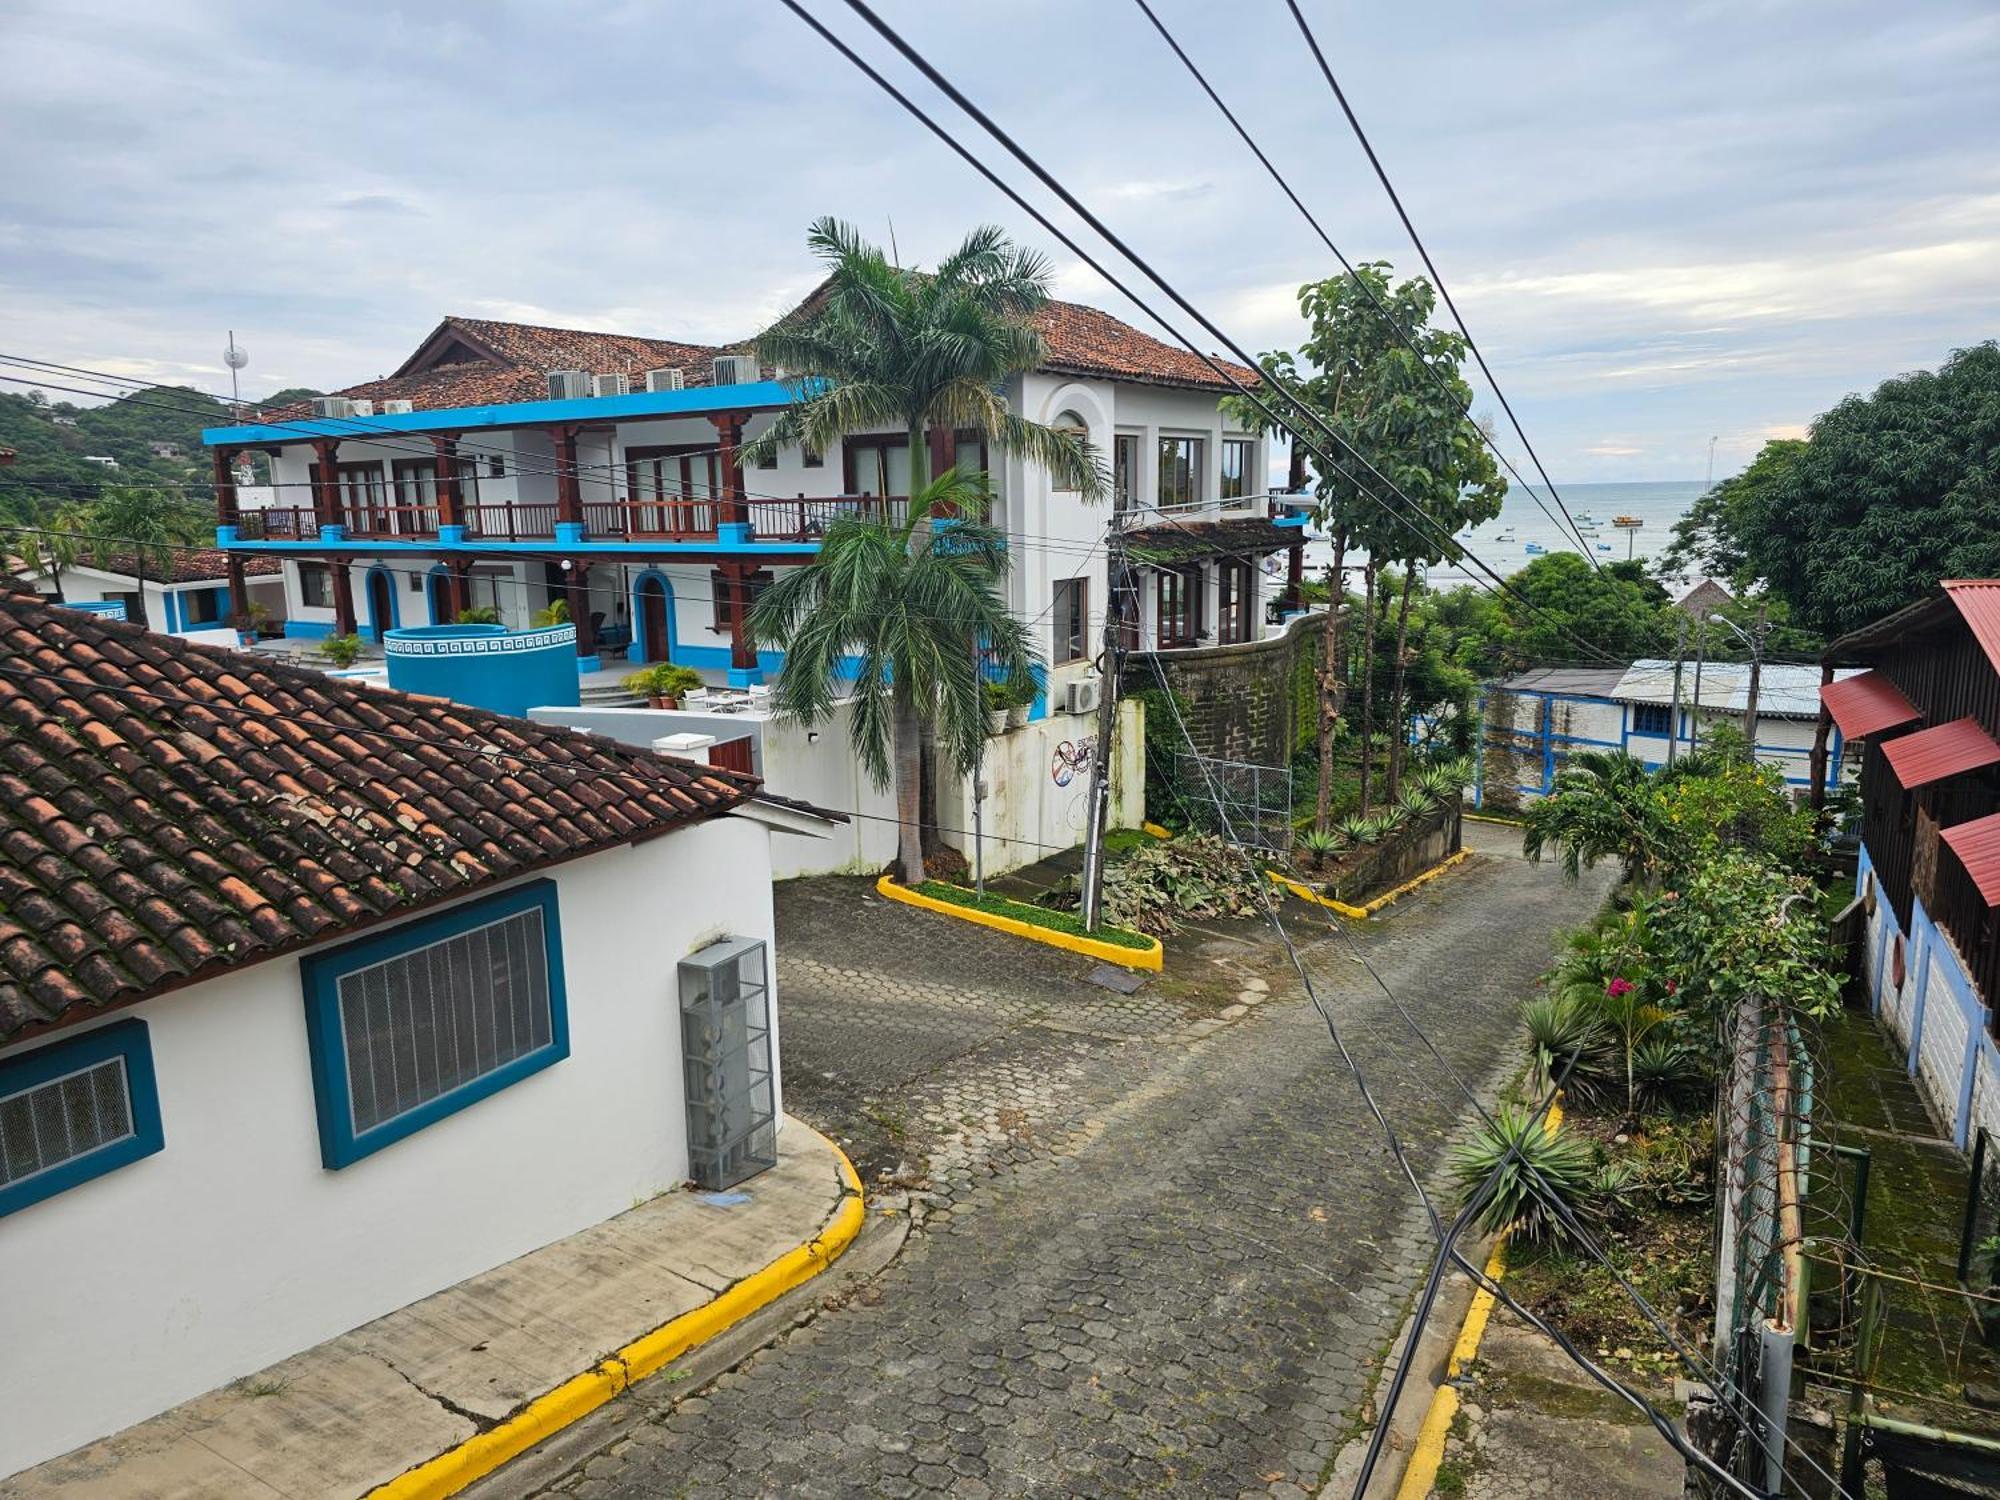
(234, 1247)
(1038, 799)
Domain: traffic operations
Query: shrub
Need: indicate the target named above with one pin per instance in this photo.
(1559, 1027)
(1414, 802)
(1317, 846)
(556, 614)
(1356, 830)
(1665, 1072)
(1544, 1166)
(341, 650)
(1438, 781)
(662, 680)
(483, 614)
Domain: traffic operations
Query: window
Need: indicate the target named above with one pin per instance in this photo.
(1652, 718)
(1177, 607)
(75, 1110)
(1180, 471)
(1072, 426)
(811, 458)
(202, 606)
(1235, 468)
(1124, 472)
(496, 467)
(1072, 620)
(722, 594)
(132, 599)
(315, 585)
(421, 1021)
(1234, 583)
(877, 465)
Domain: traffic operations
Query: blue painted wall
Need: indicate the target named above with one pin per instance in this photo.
(486, 666)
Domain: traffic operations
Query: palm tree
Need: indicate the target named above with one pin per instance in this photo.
(143, 527)
(917, 620)
(61, 545)
(1601, 806)
(887, 346)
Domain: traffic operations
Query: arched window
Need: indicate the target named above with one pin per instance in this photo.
(1072, 425)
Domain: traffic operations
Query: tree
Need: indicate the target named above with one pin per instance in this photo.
(59, 546)
(885, 346)
(142, 527)
(882, 346)
(1558, 606)
(1890, 493)
(917, 617)
(1710, 538)
(1404, 408)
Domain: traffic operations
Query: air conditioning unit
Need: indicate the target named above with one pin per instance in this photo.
(362, 408)
(1083, 695)
(609, 385)
(398, 408)
(736, 369)
(568, 385)
(665, 380)
(332, 407)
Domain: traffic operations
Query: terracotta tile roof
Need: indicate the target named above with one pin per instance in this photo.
(1184, 541)
(190, 565)
(170, 812)
(480, 362)
(1084, 340)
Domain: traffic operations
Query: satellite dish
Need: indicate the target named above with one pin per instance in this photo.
(235, 356)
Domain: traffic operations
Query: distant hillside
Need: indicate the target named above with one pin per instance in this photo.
(52, 440)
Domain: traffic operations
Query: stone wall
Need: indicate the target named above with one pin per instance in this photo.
(1252, 702)
(1417, 846)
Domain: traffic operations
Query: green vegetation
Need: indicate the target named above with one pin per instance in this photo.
(1039, 916)
(1158, 884)
(665, 681)
(341, 650)
(1890, 493)
(1532, 1168)
(126, 527)
(478, 614)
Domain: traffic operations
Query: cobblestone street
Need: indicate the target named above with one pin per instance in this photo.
(1160, 1245)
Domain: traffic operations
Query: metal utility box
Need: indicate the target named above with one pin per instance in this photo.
(726, 1056)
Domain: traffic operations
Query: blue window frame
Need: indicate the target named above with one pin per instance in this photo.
(1652, 718)
(74, 1110)
(413, 1024)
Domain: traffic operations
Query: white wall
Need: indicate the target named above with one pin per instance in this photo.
(1038, 803)
(234, 1247)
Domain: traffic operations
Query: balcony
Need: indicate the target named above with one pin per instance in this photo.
(804, 518)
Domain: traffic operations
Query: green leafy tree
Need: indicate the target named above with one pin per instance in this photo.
(1710, 538)
(59, 545)
(1354, 375)
(884, 346)
(1890, 493)
(917, 617)
(1558, 604)
(142, 527)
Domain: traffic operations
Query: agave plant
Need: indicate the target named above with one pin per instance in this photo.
(1439, 780)
(1415, 801)
(1356, 830)
(1565, 1032)
(1389, 819)
(1664, 1072)
(1317, 846)
(1532, 1168)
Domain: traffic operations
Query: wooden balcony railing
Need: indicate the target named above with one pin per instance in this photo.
(802, 519)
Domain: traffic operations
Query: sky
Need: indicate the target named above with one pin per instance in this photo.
(1662, 223)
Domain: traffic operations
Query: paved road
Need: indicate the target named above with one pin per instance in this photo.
(1166, 1247)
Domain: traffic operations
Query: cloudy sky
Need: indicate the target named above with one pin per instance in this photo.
(1663, 222)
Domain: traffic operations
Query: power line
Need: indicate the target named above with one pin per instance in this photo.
(1360, 283)
(1416, 518)
(1437, 280)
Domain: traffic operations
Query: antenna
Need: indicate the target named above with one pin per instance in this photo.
(1711, 466)
(895, 255)
(236, 357)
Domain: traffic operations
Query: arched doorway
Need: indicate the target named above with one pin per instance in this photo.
(381, 602)
(653, 603)
(438, 588)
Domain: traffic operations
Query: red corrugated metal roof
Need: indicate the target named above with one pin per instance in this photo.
(1977, 845)
(1940, 751)
(1978, 599)
(1867, 705)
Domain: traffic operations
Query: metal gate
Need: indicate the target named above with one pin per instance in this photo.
(1245, 804)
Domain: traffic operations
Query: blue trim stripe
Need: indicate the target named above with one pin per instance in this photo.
(126, 1039)
(340, 1144)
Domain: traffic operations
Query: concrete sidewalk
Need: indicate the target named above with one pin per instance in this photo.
(352, 1414)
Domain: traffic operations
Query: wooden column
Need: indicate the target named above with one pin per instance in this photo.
(944, 451)
(1820, 733)
(343, 598)
(576, 588)
(569, 494)
(451, 507)
(729, 433)
(458, 590)
(736, 579)
(221, 460)
(326, 486)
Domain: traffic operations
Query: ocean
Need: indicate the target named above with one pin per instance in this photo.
(1504, 544)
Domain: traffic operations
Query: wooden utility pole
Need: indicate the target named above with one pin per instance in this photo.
(1756, 680)
(1098, 813)
(1674, 717)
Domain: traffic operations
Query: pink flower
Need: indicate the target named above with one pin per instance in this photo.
(1673, 988)
(1619, 988)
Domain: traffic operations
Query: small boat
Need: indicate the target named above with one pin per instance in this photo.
(1604, 546)
(1630, 523)
(1535, 549)
(1506, 536)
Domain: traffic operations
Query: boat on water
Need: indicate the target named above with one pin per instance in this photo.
(1535, 549)
(1604, 546)
(1629, 523)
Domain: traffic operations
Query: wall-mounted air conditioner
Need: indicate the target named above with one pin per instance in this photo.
(665, 380)
(735, 369)
(609, 385)
(1083, 695)
(568, 385)
(361, 408)
(332, 407)
(398, 408)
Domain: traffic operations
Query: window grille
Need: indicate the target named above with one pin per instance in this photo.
(726, 1055)
(49, 1124)
(1652, 718)
(422, 1024)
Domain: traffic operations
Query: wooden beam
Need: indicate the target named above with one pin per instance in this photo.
(451, 506)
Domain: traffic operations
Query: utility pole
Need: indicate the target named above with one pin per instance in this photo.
(1700, 655)
(1099, 811)
(1674, 717)
(1756, 675)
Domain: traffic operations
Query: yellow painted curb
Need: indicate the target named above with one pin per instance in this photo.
(1494, 818)
(1428, 1451)
(1155, 830)
(1307, 893)
(1111, 953)
(580, 1395)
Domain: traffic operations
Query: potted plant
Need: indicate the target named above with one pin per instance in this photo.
(662, 684)
(1020, 695)
(484, 614)
(249, 624)
(998, 698)
(342, 650)
(556, 614)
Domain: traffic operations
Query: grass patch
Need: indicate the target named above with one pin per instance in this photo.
(1036, 916)
(1119, 842)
